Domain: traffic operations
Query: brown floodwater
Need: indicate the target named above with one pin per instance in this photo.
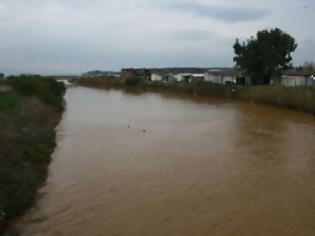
(152, 164)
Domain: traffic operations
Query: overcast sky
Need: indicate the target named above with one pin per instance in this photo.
(72, 36)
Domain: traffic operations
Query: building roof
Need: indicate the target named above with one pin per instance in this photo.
(224, 73)
(296, 73)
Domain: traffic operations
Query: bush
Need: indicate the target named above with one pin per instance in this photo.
(301, 98)
(28, 117)
(9, 101)
(133, 81)
(48, 90)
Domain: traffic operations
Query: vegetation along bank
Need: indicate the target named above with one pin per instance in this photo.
(300, 98)
(30, 109)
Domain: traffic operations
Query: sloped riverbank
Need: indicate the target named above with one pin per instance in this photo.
(29, 113)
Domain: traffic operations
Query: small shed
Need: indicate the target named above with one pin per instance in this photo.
(294, 79)
(182, 77)
(156, 77)
(310, 81)
(214, 77)
(197, 77)
(169, 78)
(229, 77)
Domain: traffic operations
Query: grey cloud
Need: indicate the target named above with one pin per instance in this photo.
(305, 52)
(228, 14)
(66, 36)
(191, 35)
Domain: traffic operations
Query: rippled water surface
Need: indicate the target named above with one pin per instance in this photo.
(150, 164)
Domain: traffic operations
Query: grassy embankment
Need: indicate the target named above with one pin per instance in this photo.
(300, 98)
(28, 117)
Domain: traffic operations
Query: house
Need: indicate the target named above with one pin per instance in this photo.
(169, 78)
(143, 74)
(214, 76)
(227, 77)
(163, 77)
(293, 79)
(156, 77)
(310, 81)
(243, 80)
(128, 73)
(189, 77)
(220, 77)
(182, 77)
(197, 77)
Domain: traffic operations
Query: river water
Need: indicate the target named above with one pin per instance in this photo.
(152, 164)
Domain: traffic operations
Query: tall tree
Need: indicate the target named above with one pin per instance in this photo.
(265, 56)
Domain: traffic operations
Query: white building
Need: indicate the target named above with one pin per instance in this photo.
(294, 79)
(182, 77)
(229, 77)
(221, 77)
(214, 77)
(197, 77)
(156, 77)
(226, 77)
(189, 77)
(310, 81)
(169, 78)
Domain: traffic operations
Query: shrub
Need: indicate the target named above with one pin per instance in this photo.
(9, 101)
(27, 139)
(133, 81)
(48, 90)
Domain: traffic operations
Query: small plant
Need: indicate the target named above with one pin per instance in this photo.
(9, 101)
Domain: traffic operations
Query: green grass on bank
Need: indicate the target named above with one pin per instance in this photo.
(301, 98)
(28, 117)
(48, 91)
(9, 101)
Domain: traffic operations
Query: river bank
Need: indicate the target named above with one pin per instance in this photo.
(29, 113)
(299, 98)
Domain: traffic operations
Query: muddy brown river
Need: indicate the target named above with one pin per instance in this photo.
(167, 165)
